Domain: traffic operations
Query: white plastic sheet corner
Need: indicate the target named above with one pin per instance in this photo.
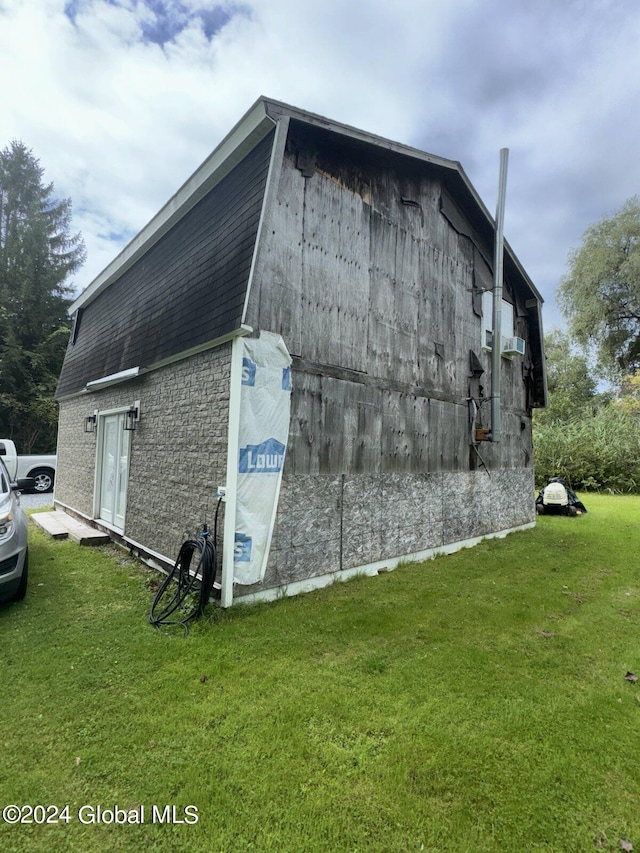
(265, 409)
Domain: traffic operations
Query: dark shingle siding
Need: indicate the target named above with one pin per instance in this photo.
(187, 290)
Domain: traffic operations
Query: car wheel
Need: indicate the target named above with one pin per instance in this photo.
(22, 589)
(43, 480)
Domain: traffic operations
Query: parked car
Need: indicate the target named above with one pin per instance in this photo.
(41, 467)
(13, 538)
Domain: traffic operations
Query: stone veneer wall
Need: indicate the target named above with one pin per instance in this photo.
(178, 451)
(328, 524)
(324, 523)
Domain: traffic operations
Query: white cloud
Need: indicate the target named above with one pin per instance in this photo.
(122, 99)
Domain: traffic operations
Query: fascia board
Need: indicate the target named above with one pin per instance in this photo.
(276, 109)
(247, 133)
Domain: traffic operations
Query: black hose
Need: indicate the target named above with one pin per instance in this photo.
(193, 587)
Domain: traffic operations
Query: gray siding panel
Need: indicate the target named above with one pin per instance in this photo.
(187, 290)
(338, 427)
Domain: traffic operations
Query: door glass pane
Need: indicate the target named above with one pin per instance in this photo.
(109, 457)
(121, 495)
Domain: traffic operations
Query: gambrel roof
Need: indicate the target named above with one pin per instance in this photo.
(182, 284)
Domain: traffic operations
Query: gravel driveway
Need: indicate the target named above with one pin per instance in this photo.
(36, 501)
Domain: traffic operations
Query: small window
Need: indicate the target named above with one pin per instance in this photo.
(76, 326)
(487, 319)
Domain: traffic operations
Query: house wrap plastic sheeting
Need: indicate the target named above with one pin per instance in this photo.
(265, 407)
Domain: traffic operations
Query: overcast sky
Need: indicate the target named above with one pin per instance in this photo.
(121, 100)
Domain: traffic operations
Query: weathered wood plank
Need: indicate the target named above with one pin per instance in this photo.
(335, 273)
(395, 301)
(279, 287)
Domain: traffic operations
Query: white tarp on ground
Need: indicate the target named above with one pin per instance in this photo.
(265, 406)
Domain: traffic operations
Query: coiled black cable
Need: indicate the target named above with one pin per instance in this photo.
(193, 587)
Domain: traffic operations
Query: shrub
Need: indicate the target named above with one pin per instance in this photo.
(599, 451)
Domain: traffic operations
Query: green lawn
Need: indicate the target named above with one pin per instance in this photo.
(476, 702)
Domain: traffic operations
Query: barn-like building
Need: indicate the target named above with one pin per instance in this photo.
(355, 274)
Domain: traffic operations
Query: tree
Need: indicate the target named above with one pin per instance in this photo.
(629, 392)
(37, 255)
(571, 385)
(587, 436)
(600, 294)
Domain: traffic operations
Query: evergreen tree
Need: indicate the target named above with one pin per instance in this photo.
(37, 255)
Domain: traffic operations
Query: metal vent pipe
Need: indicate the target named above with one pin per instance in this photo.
(496, 340)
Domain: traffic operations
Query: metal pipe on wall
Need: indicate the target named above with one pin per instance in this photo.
(496, 340)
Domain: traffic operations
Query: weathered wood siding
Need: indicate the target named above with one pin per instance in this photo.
(374, 277)
(375, 291)
(340, 426)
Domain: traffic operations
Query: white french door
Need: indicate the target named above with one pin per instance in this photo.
(114, 469)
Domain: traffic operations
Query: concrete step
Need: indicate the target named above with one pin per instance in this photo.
(51, 524)
(59, 525)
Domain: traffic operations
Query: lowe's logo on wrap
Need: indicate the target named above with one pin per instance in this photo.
(248, 371)
(265, 458)
(242, 548)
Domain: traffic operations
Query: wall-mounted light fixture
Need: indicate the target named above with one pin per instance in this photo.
(90, 423)
(131, 418)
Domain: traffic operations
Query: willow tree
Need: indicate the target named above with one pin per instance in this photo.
(600, 294)
(38, 253)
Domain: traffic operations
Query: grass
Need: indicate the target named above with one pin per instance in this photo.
(476, 702)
